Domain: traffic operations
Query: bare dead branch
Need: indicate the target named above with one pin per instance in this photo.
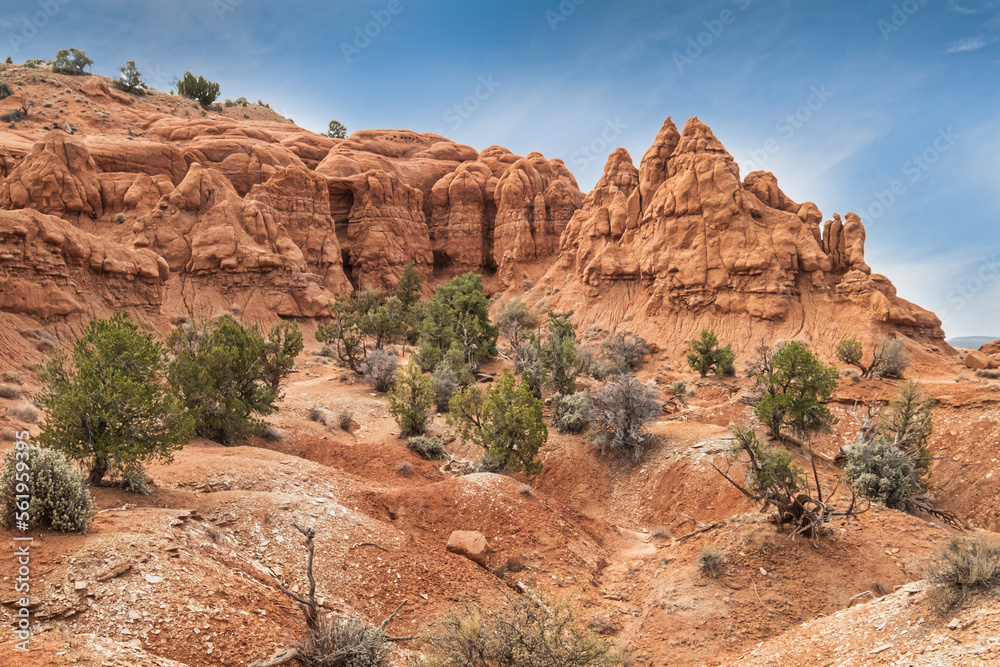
(281, 658)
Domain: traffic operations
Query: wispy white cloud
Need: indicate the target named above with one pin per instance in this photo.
(970, 6)
(961, 286)
(967, 44)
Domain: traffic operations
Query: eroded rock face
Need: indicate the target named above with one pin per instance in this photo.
(500, 211)
(58, 176)
(52, 268)
(205, 229)
(261, 216)
(702, 245)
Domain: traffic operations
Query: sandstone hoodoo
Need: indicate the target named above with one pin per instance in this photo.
(681, 243)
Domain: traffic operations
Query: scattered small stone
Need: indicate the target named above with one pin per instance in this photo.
(153, 579)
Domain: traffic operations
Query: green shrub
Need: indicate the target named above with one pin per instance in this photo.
(71, 61)
(571, 412)
(521, 632)
(5, 91)
(908, 425)
(620, 411)
(59, 496)
(795, 384)
(963, 567)
(428, 448)
(130, 79)
(283, 345)
(706, 355)
(111, 409)
(411, 399)
(198, 88)
(458, 317)
(889, 358)
(336, 130)
(881, 472)
(506, 422)
(220, 370)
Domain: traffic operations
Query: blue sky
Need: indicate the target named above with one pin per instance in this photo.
(888, 109)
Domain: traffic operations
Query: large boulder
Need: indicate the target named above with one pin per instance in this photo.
(471, 545)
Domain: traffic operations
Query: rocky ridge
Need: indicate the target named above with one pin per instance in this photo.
(192, 213)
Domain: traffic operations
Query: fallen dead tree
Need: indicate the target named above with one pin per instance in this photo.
(772, 479)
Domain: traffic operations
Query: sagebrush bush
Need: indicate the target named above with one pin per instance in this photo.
(712, 562)
(380, 369)
(26, 412)
(316, 413)
(344, 642)
(60, 498)
(571, 412)
(10, 391)
(273, 434)
(625, 350)
(428, 448)
(963, 567)
(991, 373)
(132, 479)
(891, 358)
(344, 418)
(404, 468)
(12, 377)
(620, 411)
(882, 472)
(521, 632)
(445, 382)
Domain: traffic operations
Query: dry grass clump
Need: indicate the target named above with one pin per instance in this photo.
(25, 412)
(963, 568)
(10, 391)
